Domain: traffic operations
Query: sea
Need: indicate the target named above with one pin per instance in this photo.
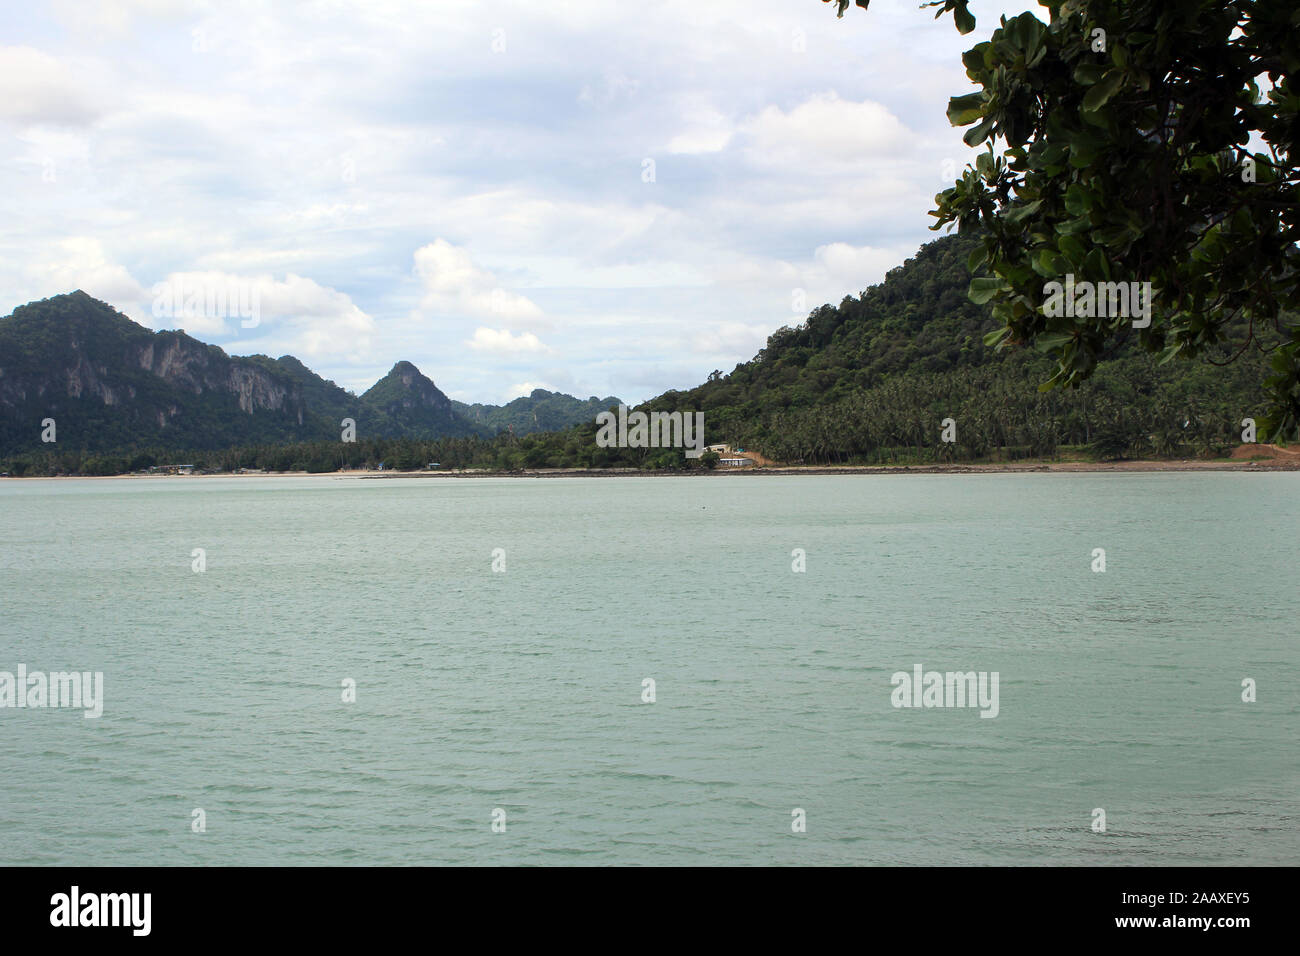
(712, 670)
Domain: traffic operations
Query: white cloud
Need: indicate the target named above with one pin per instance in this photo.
(502, 342)
(731, 338)
(275, 142)
(525, 388)
(612, 88)
(707, 131)
(116, 16)
(294, 315)
(825, 129)
(864, 265)
(453, 283)
(80, 262)
(305, 318)
(37, 88)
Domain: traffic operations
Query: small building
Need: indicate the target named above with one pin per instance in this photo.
(735, 462)
(718, 449)
(433, 466)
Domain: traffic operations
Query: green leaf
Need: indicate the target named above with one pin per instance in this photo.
(964, 110)
(1050, 341)
(984, 288)
(1022, 211)
(996, 338)
(1078, 200)
(1097, 263)
(844, 5)
(977, 134)
(1045, 263)
(1072, 227)
(1102, 91)
(1051, 383)
(1086, 74)
(964, 19)
(1072, 248)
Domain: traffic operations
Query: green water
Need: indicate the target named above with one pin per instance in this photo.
(522, 689)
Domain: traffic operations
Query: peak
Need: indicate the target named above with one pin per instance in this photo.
(80, 296)
(75, 306)
(76, 295)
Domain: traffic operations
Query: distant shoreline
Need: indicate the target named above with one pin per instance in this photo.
(954, 468)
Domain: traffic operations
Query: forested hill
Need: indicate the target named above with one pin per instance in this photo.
(872, 378)
(110, 384)
(539, 411)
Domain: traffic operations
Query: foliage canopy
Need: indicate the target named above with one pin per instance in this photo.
(1137, 141)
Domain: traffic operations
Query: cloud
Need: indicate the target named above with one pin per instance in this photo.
(612, 88)
(707, 131)
(502, 342)
(37, 88)
(525, 388)
(293, 315)
(80, 262)
(731, 338)
(863, 265)
(453, 283)
(825, 129)
(116, 16)
(272, 143)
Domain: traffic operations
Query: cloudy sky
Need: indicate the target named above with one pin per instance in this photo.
(589, 196)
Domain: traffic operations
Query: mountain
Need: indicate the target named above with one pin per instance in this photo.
(871, 380)
(415, 405)
(539, 411)
(323, 397)
(110, 383)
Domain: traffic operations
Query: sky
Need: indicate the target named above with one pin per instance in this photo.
(592, 197)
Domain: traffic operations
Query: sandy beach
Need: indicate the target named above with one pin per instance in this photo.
(1257, 458)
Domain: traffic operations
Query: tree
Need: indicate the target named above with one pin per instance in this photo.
(1137, 142)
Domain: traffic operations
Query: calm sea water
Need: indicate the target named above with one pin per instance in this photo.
(522, 690)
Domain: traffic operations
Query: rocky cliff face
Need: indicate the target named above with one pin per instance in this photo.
(102, 376)
(405, 386)
(414, 404)
(112, 384)
(195, 367)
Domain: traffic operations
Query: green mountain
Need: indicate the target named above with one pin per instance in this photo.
(109, 382)
(871, 380)
(112, 384)
(414, 406)
(539, 411)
